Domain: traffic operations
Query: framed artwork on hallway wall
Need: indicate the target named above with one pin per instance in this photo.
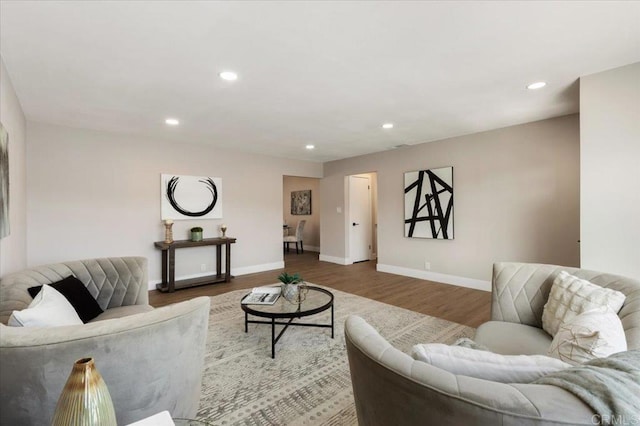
(190, 197)
(4, 182)
(428, 204)
(301, 202)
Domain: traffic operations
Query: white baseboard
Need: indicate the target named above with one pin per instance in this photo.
(244, 270)
(257, 268)
(333, 259)
(436, 276)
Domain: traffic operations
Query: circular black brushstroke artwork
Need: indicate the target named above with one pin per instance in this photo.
(172, 185)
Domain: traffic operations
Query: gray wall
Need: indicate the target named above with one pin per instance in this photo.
(93, 193)
(516, 198)
(610, 170)
(13, 248)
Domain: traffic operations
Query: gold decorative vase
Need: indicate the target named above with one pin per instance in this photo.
(168, 231)
(85, 399)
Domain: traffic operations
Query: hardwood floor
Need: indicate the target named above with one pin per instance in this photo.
(453, 303)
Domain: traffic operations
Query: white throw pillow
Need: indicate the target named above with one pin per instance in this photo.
(48, 309)
(571, 296)
(593, 334)
(487, 365)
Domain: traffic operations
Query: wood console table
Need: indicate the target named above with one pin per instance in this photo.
(169, 283)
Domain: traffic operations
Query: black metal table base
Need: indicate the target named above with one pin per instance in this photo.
(273, 322)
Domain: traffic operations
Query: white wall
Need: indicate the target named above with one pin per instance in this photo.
(610, 171)
(13, 248)
(311, 232)
(516, 199)
(94, 194)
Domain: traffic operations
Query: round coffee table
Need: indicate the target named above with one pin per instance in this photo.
(317, 300)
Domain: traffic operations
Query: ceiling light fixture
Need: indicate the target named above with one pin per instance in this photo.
(387, 126)
(536, 85)
(310, 146)
(172, 121)
(228, 75)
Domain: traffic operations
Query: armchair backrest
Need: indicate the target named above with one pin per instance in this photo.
(114, 281)
(520, 291)
(299, 230)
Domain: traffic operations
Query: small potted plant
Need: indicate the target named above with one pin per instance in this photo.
(293, 287)
(196, 233)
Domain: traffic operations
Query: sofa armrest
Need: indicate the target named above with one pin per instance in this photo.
(150, 362)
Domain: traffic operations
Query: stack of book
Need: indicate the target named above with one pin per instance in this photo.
(262, 296)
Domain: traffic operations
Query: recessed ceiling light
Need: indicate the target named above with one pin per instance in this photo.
(387, 126)
(228, 75)
(172, 121)
(310, 146)
(536, 85)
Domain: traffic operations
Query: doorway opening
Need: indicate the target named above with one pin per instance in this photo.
(362, 218)
(301, 202)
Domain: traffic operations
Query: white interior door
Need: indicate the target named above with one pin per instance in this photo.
(359, 218)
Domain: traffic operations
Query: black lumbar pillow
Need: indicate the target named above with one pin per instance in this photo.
(77, 294)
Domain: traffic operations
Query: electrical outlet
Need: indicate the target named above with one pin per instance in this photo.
(427, 265)
(203, 267)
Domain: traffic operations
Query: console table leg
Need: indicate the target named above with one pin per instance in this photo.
(218, 261)
(172, 270)
(227, 255)
(165, 277)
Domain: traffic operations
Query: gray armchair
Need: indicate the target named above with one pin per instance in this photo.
(390, 387)
(519, 293)
(151, 359)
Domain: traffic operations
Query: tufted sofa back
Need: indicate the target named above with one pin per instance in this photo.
(113, 281)
(520, 291)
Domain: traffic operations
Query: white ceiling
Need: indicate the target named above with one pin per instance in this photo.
(326, 73)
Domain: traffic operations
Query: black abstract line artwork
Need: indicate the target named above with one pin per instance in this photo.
(191, 197)
(428, 204)
(209, 184)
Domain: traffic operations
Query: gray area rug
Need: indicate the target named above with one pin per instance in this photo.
(308, 382)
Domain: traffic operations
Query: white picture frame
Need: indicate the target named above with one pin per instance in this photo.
(428, 204)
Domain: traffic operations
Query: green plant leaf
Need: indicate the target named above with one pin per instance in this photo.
(287, 278)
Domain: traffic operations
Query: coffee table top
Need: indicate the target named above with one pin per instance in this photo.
(317, 300)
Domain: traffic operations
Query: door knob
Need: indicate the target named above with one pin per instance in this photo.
(354, 224)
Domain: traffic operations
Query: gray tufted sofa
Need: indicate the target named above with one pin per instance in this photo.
(390, 387)
(151, 359)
